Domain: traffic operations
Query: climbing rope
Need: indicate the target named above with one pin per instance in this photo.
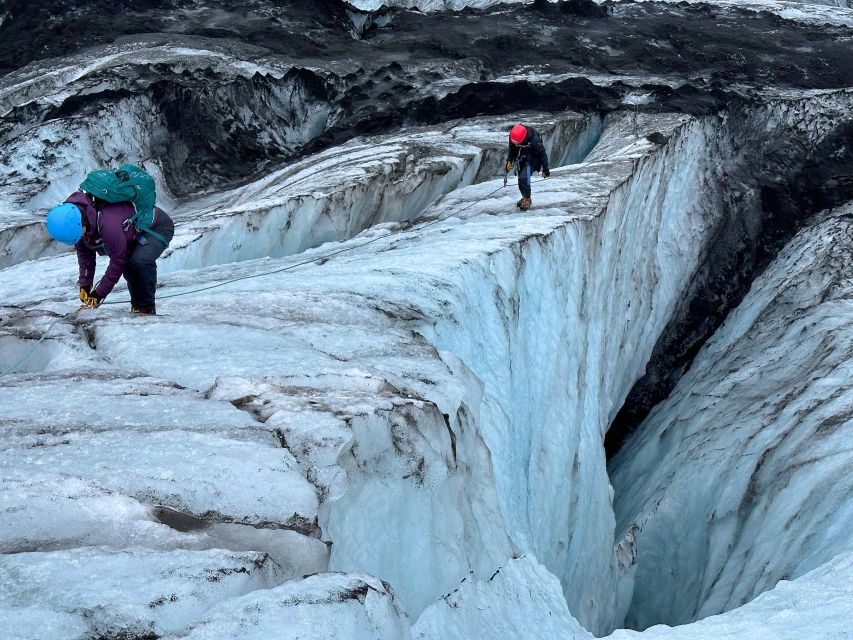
(9, 370)
(323, 258)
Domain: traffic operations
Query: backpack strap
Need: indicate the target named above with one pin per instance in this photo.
(142, 226)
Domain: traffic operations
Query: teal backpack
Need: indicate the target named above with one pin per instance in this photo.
(128, 183)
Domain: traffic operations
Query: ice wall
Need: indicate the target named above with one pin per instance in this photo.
(334, 195)
(328, 197)
(766, 407)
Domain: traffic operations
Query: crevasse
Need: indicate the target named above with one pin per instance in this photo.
(558, 329)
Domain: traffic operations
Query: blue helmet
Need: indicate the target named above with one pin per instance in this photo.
(65, 223)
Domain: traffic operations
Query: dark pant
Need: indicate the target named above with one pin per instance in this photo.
(141, 270)
(525, 167)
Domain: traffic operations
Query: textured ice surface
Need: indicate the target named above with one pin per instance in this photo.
(169, 473)
(816, 605)
(765, 413)
(328, 606)
(519, 600)
(102, 592)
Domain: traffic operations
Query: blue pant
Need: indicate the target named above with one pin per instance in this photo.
(526, 166)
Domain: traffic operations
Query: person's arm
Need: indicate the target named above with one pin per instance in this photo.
(86, 262)
(539, 148)
(115, 245)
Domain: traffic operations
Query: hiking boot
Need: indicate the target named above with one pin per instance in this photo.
(142, 314)
(524, 204)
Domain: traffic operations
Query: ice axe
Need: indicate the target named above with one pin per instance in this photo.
(507, 169)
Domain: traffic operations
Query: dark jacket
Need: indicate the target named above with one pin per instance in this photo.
(107, 232)
(531, 150)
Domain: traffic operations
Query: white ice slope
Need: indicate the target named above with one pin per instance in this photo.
(815, 606)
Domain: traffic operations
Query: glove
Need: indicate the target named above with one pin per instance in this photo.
(546, 173)
(509, 166)
(88, 299)
(84, 293)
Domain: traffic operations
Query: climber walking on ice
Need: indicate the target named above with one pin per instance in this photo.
(113, 214)
(527, 154)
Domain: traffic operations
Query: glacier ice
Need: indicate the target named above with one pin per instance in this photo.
(519, 600)
(332, 606)
(102, 592)
(416, 421)
(379, 382)
(766, 406)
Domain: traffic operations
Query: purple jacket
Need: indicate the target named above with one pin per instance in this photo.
(107, 234)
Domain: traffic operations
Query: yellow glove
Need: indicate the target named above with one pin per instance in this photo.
(509, 166)
(84, 293)
(88, 299)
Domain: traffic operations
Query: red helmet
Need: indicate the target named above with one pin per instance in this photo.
(518, 134)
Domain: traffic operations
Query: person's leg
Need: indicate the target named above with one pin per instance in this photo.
(143, 265)
(143, 261)
(130, 277)
(524, 179)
